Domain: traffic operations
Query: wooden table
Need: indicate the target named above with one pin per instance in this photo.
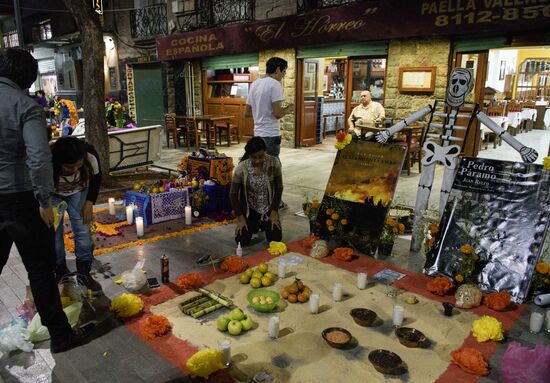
(208, 121)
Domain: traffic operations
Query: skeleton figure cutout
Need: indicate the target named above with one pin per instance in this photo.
(438, 139)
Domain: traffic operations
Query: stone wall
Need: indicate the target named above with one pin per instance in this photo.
(197, 85)
(269, 9)
(415, 52)
(288, 122)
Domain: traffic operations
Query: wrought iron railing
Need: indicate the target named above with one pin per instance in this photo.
(148, 22)
(310, 5)
(210, 13)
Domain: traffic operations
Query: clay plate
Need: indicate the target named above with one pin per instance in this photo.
(363, 317)
(336, 344)
(386, 362)
(410, 337)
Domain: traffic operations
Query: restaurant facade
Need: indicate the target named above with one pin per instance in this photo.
(401, 51)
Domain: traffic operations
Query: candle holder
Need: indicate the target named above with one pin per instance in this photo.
(448, 309)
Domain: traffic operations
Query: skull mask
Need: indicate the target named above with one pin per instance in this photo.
(468, 296)
(461, 83)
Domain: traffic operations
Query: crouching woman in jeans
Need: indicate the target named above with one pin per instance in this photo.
(256, 192)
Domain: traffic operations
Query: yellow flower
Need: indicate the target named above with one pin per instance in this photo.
(466, 249)
(335, 216)
(127, 305)
(343, 143)
(329, 222)
(330, 211)
(344, 221)
(277, 248)
(331, 228)
(487, 328)
(315, 204)
(459, 278)
(542, 267)
(546, 163)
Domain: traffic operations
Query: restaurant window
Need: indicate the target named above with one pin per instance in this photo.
(368, 74)
(42, 31)
(11, 39)
(533, 79)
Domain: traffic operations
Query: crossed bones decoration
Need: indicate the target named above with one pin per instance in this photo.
(437, 142)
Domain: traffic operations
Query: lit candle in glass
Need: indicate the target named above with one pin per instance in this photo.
(130, 214)
(314, 303)
(188, 215)
(398, 315)
(112, 206)
(337, 292)
(361, 281)
(224, 346)
(273, 329)
(139, 226)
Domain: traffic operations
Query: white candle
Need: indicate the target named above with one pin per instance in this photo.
(188, 215)
(361, 281)
(273, 330)
(398, 315)
(337, 292)
(112, 206)
(281, 272)
(139, 226)
(224, 346)
(548, 321)
(130, 214)
(536, 321)
(314, 303)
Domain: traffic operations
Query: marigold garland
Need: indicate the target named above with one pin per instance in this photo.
(470, 360)
(69, 245)
(343, 254)
(155, 326)
(127, 305)
(109, 229)
(439, 286)
(234, 264)
(497, 301)
(189, 281)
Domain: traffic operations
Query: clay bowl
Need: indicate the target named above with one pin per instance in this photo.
(410, 337)
(363, 317)
(386, 362)
(331, 335)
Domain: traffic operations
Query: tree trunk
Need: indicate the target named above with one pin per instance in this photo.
(93, 49)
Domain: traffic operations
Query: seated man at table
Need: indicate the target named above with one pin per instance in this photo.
(366, 115)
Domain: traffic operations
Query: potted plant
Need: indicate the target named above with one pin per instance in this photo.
(392, 228)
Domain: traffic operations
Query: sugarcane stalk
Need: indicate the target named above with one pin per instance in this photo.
(204, 305)
(218, 298)
(207, 310)
(193, 302)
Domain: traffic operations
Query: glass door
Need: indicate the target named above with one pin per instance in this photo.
(365, 74)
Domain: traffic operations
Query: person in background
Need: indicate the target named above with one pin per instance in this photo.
(26, 187)
(77, 178)
(367, 114)
(265, 105)
(256, 191)
(40, 98)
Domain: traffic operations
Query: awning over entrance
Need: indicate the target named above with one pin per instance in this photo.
(370, 48)
(244, 60)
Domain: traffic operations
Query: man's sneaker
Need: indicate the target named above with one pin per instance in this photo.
(74, 339)
(283, 206)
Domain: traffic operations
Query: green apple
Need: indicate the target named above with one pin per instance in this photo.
(249, 272)
(247, 322)
(222, 323)
(234, 327)
(257, 274)
(236, 314)
(244, 279)
(263, 267)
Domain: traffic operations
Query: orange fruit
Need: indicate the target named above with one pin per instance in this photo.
(292, 289)
(284, 294)
(302, 298)
(292, 298)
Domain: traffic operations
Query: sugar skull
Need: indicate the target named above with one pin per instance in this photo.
(468, 296)
(461, 82)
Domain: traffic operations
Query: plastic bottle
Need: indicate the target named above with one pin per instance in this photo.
(239, 251)
(165, 268)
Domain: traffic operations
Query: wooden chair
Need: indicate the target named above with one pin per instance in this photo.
(412, 141)
(172, 130)
(188, 127)
(229, 131)
(494, 111)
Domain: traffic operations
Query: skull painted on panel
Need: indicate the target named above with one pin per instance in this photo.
(468, 296)
(461, 82)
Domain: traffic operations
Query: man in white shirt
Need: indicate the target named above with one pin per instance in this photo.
(265, 105)
(367, 114)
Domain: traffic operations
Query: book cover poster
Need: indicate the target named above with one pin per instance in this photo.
(493, 229)
(358, 194)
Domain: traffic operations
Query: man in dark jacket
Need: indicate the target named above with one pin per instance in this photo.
(26, 186)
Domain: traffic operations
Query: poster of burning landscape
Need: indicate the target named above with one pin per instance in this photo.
(358, 194)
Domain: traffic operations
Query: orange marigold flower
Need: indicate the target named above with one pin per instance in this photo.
(343, 253)
(335, 216)
(340, 136)
(439, 286)
(466, 249)
(331, 228)
(189, 281)
(234, 264)
(308, 241)
(344, 221)
(329, 222)
(433, 228)
(470, 360)
(391, 222)
(497, 301)
(401, 228)
(542, 267)
(330, 211)
(459, 278)
(315, 203)
(155, 326)
(394, 230)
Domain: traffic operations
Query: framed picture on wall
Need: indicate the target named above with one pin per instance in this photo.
(502, 71)
(310, 68)
(417, 79)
